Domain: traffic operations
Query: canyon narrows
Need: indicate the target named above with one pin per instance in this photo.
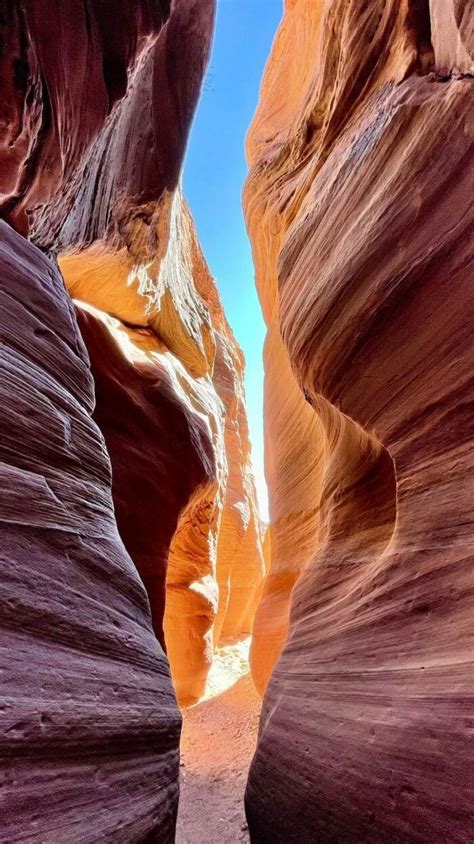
(134, 566)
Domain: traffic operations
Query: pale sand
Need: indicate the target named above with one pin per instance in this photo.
(217, 745)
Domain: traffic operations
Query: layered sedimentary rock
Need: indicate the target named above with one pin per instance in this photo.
(90, 731)
(127, 246)
(96, 105)
(170, 403)
(359, 206)
(90, 728)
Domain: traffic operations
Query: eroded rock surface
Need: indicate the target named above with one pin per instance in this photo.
(90, 728)
(171, 405)
(359, 206)
(96, 105)
(127, 246)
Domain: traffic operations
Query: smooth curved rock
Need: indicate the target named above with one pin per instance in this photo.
(240, 566)
(127, 246)
(150, 434)
(102, 193)
(294, 483)
(97, 101)
(90, 728)
(170, 403)
(359, 205)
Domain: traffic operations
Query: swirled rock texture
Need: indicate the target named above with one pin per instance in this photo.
(127, 246)
(359, 207)
(171, 405)
(91, 161)
(90, 729)
(95, 108)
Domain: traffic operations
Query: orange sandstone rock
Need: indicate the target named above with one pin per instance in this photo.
(170, 403)
(359, 207)
(291, 465)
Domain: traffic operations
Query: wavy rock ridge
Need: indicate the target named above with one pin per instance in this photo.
(124, 444)
(359, 205)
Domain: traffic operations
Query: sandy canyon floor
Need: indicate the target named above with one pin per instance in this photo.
(217, 745)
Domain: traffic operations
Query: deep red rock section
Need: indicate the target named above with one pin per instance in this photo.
(63, 66)
(359, 205)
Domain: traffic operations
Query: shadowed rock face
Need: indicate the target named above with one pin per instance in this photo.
(149, 438)
(90, 728)
(96, 104)
(55, 100)
(359, 204)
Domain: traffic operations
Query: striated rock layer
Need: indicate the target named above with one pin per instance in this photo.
(97, 100)
(359, 206)
(90, 733)
(173, 415)
(127, 246)
(90, 728)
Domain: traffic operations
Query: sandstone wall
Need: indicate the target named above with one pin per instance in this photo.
(359, 207)
(170, 402)
(96, 105)
(127, 246)
(90, 728)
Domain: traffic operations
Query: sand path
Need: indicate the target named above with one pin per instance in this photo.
(217, 745)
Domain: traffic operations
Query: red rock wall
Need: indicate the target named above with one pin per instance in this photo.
(127, 246)
(359, 205)
(96, 105)
(56, 100)
(91, 164)
(90, 728)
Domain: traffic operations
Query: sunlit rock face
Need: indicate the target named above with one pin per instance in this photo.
(170, 403)
(359, 206)
(175, 426)
(96, 105)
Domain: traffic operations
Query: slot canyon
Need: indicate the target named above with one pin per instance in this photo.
(173, 667)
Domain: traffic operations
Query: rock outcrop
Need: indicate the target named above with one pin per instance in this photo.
(122, 457)
(359, 207)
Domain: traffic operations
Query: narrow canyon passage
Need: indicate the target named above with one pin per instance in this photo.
(183, 660)
(217, 744)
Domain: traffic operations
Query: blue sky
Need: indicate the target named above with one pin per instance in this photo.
(214, 173)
